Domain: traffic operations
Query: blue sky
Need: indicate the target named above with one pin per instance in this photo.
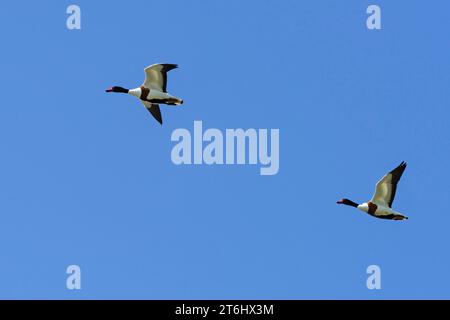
(87, 178)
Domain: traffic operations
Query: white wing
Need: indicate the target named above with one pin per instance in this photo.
(387, 187)
(156, 76)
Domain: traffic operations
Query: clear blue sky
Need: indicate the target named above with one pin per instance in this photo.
(87, 179)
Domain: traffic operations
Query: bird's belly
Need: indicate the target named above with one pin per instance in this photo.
(384, 211)
(158, 95)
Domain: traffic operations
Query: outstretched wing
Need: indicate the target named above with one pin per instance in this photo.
(156, 76)
(154, 110)
(387, 186)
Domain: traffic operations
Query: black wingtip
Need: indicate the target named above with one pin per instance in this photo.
(169, 66)
(402, 164)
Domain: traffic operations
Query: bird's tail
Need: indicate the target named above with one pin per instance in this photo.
(176, 101)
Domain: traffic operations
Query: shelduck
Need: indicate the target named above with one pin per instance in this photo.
(380, 206)
(153, 91)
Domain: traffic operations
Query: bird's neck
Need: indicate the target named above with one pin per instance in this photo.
(121, 90)
(351, 203)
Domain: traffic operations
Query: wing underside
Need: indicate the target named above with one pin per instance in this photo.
(156, 76)
(387, 187)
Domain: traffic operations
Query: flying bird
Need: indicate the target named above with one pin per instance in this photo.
(153, 91)
(380, 206)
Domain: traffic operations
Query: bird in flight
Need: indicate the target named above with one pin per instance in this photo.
(380, 206)
(153, 91)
